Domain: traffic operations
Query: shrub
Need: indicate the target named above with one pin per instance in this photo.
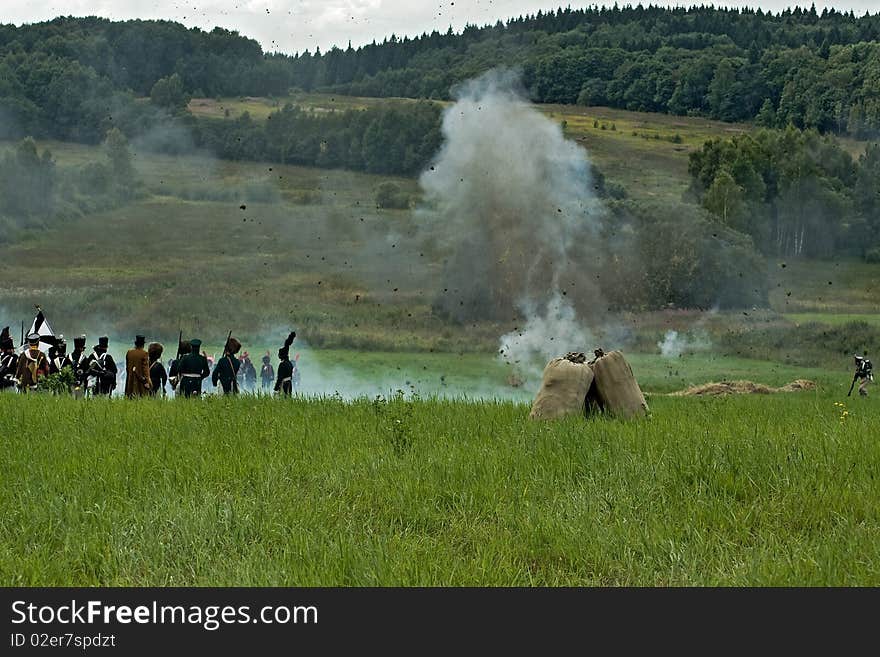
(390, 196)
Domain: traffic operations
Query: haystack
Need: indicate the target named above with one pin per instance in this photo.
(563, 390)
(616, 388)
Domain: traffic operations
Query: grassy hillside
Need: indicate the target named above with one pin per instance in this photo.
(659, 143)
(744, 491)
(214, 245)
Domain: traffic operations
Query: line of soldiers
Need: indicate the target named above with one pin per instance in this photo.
(96, 372)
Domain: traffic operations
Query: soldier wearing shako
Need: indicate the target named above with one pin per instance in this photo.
(173, 373)
(158, 375)
(226, 370)
(284, 382)
(60, 359)
(33, 365)
(101, 369)
(8, 361)
(79, 361)
(137, 370)
(193, 368)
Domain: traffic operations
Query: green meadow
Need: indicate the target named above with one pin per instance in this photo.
(753, 490)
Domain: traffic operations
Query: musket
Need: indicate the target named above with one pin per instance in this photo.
(232, 370)
(177, 378)
(853, 384)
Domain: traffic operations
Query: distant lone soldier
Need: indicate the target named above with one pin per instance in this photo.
(32, 365)
(60, 360)
(284, 382)
(864, 374)
(8, 361)
(192, 370)
(267, 373)
(226, 370)
(102, 368)
(137, 370)
(158, 375)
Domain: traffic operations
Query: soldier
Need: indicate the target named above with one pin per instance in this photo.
(267, 373)
(60, 360)
(864, 374)
(173, 367)
(137, 370)
(32, 365)
(284, 383)
(158, 375)
(8, 361)
(101, 368)
(79, 362)
(247, 374)
(193, 368)
(226, 370)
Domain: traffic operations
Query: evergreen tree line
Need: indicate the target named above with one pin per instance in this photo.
(795, 193)
(398, 140)
(76, 77)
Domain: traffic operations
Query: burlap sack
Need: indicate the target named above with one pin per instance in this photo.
(563, 390)
(616, 387)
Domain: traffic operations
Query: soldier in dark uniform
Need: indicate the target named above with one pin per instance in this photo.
(102, 368)
(226, 370)
(284, 382)
(193, 368)
(79, 362)
(173, 367)
(60, 360)
(8, 361)
(158, 375)
(267, 373)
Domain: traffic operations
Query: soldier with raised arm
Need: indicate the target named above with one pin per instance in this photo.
(284, 383)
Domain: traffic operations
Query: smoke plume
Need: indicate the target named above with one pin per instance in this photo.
(674, 344)
(516, 199)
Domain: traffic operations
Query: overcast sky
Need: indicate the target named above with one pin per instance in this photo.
(294, 25)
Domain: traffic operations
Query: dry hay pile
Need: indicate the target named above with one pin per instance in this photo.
(742, 388)
(571, 386)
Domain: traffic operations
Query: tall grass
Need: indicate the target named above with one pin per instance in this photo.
(738, 491)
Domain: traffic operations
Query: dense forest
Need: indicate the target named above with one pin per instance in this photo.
(799, 67)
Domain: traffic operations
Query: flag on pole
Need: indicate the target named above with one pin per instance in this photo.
(41, 327)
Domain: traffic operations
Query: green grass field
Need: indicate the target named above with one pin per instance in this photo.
(738, 491)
